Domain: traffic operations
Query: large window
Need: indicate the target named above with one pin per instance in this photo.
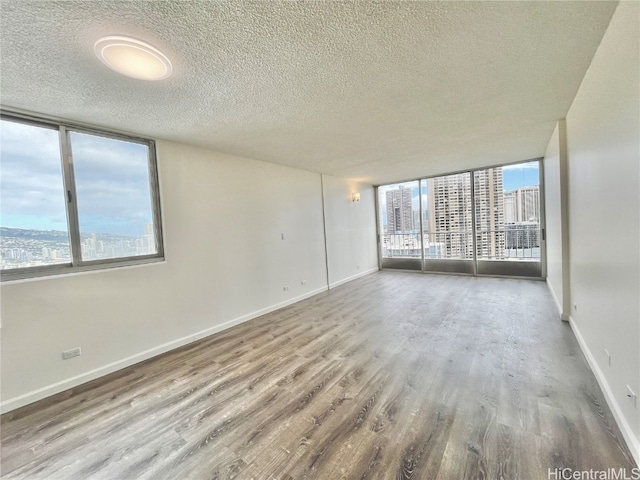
(507, 203)
(485, 221)
(74, 199)
(522, 211)
(400, 220)
(448, 225)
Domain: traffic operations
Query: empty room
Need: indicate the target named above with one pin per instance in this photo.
(319, 240)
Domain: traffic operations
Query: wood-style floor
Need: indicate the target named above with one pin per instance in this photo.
(392, 376)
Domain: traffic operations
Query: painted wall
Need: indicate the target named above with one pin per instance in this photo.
(237, 231)
(351, 229)
(603, 146)
(553, 217)
(556, 172)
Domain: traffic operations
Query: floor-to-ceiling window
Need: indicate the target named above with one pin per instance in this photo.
(399, 225)
(448, 226)
(491, 225)
(508, 220)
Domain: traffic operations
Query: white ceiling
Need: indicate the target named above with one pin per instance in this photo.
(377, 91)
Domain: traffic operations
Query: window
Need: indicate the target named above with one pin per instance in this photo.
(484, 221)
(75, 199)
(400, 220)
(448, 224)
(522, 233)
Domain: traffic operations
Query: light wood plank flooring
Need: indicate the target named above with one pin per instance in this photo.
(392, 376)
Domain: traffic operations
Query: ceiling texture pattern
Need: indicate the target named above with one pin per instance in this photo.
(375, 91)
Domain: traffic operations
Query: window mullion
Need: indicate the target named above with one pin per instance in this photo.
(155, 198)
(474, 221)
(71, 197)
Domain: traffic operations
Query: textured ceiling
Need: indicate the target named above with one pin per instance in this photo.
(377, 91)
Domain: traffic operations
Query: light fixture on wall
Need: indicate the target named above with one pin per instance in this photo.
(355, 197)
(133, 58)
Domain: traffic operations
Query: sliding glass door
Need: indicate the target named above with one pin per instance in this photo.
(488, 226)
(508, 220)
(448, 226)
(399, 226)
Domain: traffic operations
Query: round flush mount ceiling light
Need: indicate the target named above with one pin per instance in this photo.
(133, 58)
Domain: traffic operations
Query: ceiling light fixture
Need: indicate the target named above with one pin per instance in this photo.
(133, 58)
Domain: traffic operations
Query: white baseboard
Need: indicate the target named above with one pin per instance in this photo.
(632, 441)
(353, 277)
(39, 394)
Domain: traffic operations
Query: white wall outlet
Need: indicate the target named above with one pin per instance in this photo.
(631, 395)
(303, 282)
(74, 352)
(282, 236)
(606, 352)
(285, 288)
(575, 306)
(358, 267)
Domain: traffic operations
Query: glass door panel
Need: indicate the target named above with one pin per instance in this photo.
(507, 220)
(447, 225)
(399, 217)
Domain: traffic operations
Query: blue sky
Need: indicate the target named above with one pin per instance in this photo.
(112, 181)
(521, 175)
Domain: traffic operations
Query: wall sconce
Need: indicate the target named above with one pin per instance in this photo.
(355, 197)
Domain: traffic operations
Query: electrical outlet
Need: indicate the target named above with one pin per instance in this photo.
(74, 352)
(606, 352)
(282, 236)
(357, 267)
(631, 395)
(303, 282)
(285, 288)
(575, 306)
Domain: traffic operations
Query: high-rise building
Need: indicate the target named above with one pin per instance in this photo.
(528, 204)
(522, 218)
(522, 205)
(510, 210)
(399, 210)
(449, 213)
(490, 212)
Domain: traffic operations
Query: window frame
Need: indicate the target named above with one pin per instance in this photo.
(77, 264)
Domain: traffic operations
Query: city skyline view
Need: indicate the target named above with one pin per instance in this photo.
(110, 193)
(514, 176)
(506, 205)
(22, 248)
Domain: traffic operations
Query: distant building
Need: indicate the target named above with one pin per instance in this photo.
(449, 213)
(522, 218)
(504, 221)
(450, 223)
(489, 213)
(399, 210)
(522, 205)
(510, 209)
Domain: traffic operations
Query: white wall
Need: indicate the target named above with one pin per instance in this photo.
(226, 262)
(351, 229)
(553, 217)
(556, 188)
(603, 145)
